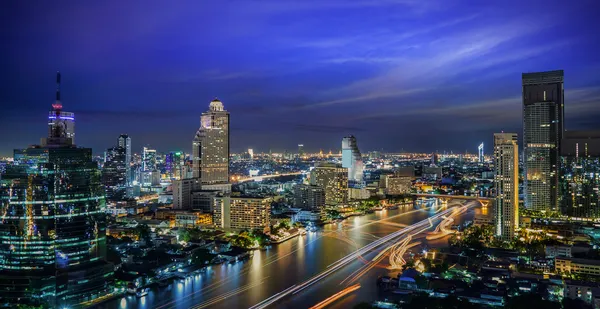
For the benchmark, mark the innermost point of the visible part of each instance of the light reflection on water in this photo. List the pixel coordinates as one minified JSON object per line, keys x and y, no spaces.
{"x":283,"y":265}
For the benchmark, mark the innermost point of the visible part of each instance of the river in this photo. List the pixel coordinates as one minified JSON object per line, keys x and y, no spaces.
{"x":268,"y":272}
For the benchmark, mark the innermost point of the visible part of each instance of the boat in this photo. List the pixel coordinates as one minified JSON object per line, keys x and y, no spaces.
{"x":142,"y":292}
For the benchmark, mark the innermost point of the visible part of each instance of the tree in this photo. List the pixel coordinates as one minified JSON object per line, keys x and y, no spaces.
{"x":143,"y":232}
{"x":184,"y":235}
{"x":284,"y":225}
{"x":529,"y":301}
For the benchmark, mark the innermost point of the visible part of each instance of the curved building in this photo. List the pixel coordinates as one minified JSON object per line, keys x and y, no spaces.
{"x":352,"y":159}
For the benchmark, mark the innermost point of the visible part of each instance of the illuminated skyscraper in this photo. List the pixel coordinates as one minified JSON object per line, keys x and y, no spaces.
{"x":543,"y":126}
{"x":300,"y":150}
{"x":334,"y":181}
{"x":580,"y":174}
{"x":211,"y":146}
{"x":61,"y":124}
{"x":148,"y":159}
{"x":506,"y":156}
{"x":352,"y":159}
{"x":53,"y":226}
{"x":480,"y":153}
{"x":124,"y":142}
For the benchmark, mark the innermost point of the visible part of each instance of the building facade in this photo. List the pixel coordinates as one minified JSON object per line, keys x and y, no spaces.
{"x":182,"y":192}
{"x":211,"y":146}
{"x":543,"y":126}
{"x":506,"y":180}
{"x":53,"y":228}
{"x":352,"y":159}
{"x":236,"y":212}
{"x":124,"y":142}
{"x":309,"y":197}
{"x":334,"y":181}
{"x":580,"y":174}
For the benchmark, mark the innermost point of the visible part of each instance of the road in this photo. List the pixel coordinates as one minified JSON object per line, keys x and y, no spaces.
{"x":289,"y":264}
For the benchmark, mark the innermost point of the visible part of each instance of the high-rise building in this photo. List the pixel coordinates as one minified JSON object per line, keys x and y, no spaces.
{"x":580,"y":174}
{"x":543,"y":126}
{"x":124,"y":142}
{"x":211,"y":146}
{"x":334,"y":181}
{"x":148,"y":159}
{"x":251,"y":153}
{"x":506,"y":156}
{"x":480,"y":153}
{"x":352,"y":159}
{"x":182,"y":192}
{"x":300,"y":150}
{"x":59,"y":120}
{"x":53,"y":226}
{"x":239,"y":213}
{"x":114,"y":171}
{"x":175,"y":165}
{"x":309,"y":197}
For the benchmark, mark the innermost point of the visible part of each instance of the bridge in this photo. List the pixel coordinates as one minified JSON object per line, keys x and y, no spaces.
{"x":484,"y":201}
{"x":261,"y":177}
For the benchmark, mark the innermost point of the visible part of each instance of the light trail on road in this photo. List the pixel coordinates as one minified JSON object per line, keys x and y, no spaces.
{"x":336,"y":296}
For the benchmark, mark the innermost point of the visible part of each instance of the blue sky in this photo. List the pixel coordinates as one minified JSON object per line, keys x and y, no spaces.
{"x":398,"y":74}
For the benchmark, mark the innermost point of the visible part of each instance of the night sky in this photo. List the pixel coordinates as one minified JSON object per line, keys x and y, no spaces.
{"x":409,"y":74}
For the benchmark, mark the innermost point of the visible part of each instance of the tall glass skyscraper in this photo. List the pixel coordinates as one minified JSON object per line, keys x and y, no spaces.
{"x":580,"y":174}
{"x":211,"y":146}
{"x":53,"y":226}
{"x":352,"y":159}
{"x":543,"y":126}
{"x":58,"y":117}
{"x":124,"y":142}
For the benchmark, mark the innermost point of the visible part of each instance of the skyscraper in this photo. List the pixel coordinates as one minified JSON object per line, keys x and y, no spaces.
{"x":114,"y":171}
{"x":506,"y":156}
{"x":211,"y":146}
{"x":480,"y":153}
{"x":53,"y":226}
{"x":352,"y":159}
{"x":148,"y":159}
{"x":124,"y":142}
{"x":543,"y":126}
{"x":334,"y":181}
{"x":580,"y":174}
{"x":300,"y":151}
{"x":59,"y":120}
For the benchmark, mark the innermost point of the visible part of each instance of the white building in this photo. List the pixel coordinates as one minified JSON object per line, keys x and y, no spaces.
{"x":352,"y":159}
{"x":506,"y":156}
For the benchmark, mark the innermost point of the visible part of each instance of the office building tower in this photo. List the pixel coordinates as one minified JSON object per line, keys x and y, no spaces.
{"x":182,"y":192}
{"x":211,"y":146}
{"x":251,"y":153}
{"x":334,"y":181}
{"x":240,"y":212}
{"x":300,"y":150}
{"x":309,"y":197}
{"x":148,"y":159}
{"x":352,"y":159}
{"x":124,"y":142}
{"x":61,"y":124}
{"x":480,"y":153}
{"x":543,"y":126}
{"x":506,"y":156}
{"x":114,"y":172}
{"x":174,"y":164}
{"x":53,"y":227}
{"x":580,"y":174}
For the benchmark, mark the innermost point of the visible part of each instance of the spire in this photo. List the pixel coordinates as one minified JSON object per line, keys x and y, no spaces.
{"x":57,"y":105}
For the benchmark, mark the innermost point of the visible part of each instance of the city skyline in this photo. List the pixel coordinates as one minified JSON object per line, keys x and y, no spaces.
{"x":298,"y":84}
